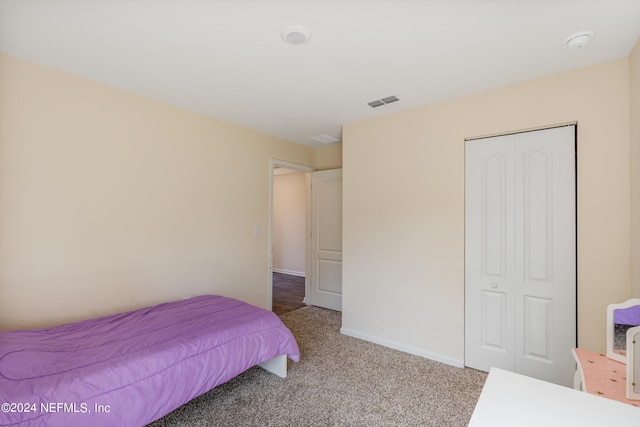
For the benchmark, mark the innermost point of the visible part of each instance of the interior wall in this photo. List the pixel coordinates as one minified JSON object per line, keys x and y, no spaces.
{"x":634,"y":83}
{"x":289,"y":217}
{"x":329,"y":157}
{"x":112,"y":201}
{"x":403,"y":241}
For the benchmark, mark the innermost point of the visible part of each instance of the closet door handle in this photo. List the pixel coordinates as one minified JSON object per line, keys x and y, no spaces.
{"x":494,"y":285}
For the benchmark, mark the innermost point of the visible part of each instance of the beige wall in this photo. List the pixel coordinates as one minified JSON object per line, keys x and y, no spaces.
{"x":112,"y":201}
{"x":289,"y":218}
{"x":329,"y":157}
{"x":634,"y":82}
{"x":403,"y":242}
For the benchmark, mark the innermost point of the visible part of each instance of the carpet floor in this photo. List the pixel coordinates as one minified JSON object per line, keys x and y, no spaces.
{"x":339,"y":381}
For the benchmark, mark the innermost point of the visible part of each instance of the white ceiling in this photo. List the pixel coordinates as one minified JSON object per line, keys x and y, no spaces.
{"x":226,"y":59}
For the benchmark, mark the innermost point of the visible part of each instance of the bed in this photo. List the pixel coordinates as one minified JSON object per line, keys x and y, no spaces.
{"x":132,"y":368}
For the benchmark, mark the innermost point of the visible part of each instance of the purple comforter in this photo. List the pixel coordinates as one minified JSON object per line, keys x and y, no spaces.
{"x":132,"y":368}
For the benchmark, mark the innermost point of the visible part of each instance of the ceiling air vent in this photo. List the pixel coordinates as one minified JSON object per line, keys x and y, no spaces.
{"x":383,"y":101}
{"x":324,"y":139}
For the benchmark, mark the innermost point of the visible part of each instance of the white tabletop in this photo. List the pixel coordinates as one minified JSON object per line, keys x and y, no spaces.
{"x":510,"y":399}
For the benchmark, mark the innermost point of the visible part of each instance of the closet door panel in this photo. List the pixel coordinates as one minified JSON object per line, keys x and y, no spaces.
{"x":545,"y":247}
{"x":489,"y":272}
{"x":520,"y":263}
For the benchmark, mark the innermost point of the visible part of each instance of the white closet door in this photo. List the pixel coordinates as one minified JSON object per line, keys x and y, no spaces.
{"x":520,"y":257}
{"x":489,"y":266}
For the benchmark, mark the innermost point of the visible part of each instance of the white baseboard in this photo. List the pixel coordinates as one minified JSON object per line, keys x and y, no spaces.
{"x":404,"y":348}
{"x":291,"y":272}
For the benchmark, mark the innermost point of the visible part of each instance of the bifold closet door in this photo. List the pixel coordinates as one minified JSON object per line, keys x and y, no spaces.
{"x":520,"y":253}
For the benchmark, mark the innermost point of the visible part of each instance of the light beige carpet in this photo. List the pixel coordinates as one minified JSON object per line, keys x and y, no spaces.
{"x":339,"y":381}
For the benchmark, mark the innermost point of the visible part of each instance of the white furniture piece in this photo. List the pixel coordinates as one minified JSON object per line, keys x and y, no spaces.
{"x":277,"y":365}
{"x":633,"y":363}
{"x":617,"y":324}
{"x":509,"y":399}
{"x":601,"y":376}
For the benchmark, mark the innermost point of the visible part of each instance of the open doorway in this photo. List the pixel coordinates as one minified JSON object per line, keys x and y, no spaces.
{"x":288,"y":242}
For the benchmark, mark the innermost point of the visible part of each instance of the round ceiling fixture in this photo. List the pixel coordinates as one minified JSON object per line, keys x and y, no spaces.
{"x":295,"y":35}
{"x":579,"y":39}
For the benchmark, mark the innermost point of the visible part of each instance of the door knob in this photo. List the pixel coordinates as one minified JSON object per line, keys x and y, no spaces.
{"x":494,"y":285}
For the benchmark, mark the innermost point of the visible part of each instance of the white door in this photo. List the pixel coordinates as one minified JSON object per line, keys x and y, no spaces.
{"x":326,"y":239}
{"x":520,"y":254}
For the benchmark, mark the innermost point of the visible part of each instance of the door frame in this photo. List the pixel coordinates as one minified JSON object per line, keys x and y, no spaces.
{"x":273,"y":164}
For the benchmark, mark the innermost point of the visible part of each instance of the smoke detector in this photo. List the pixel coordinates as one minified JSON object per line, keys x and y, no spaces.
{"x":579,"y":39}
{"x":296,"y":35}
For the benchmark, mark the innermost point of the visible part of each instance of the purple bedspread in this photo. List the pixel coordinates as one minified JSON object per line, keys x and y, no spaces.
{"x":132,"y":368}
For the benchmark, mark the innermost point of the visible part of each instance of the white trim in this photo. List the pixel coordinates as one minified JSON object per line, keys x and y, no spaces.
{"x":307,"y":240}
{"x":284,"y":164}
{"x":290,"y":272}
{"x":273,"y":163}
{"x":533,"y":129}
{"x":404,"y":348}
{"x":285,"y":171}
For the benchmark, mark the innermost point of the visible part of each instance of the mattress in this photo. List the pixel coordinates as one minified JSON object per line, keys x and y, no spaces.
{"x":132,"y":368}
